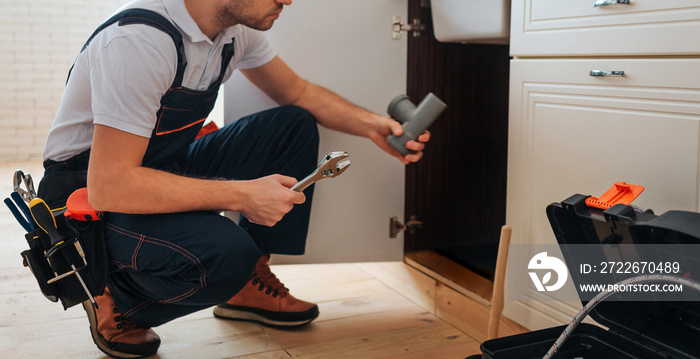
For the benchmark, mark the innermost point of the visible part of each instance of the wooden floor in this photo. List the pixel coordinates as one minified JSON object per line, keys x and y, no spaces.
{"x":361,"y":316}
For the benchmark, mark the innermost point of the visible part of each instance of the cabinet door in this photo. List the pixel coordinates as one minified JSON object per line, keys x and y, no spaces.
{"x":322,"y":42}
{"x":572,"y":133}
{"x":577,"y":27}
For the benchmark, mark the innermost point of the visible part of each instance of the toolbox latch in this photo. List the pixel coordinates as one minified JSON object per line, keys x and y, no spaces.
{"x":619,"y":193}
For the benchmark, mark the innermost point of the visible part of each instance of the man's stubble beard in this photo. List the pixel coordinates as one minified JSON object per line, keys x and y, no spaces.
{"x":242,"y":12}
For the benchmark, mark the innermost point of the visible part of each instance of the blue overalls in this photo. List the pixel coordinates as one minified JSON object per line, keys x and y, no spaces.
{"x":164,"y":266}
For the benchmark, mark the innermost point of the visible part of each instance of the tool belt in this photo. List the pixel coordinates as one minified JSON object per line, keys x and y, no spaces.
{"x":67,"y":252}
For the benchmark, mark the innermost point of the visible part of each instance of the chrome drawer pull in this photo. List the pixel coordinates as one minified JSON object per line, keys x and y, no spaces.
{"x":600,"y":73}
{"x":611,"y":2}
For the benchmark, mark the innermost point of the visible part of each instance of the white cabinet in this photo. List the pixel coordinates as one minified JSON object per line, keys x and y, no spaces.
{"x":577,"y":27}
{"x":570,"y":132}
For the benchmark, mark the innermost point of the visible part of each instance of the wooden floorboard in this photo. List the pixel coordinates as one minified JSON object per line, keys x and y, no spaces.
{"x":385,"y":344}
{"x":352,"y":327}
{"x":361,"y":316}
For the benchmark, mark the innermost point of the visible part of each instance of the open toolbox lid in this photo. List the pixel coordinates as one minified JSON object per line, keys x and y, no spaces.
{"x":671,"y":328}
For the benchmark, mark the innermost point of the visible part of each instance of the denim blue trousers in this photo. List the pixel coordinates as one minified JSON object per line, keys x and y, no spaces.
{"x":164,"y":266}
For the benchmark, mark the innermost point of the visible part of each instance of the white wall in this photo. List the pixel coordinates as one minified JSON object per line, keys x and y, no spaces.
{"x":324,"y":43}
{"x":39,"y":40}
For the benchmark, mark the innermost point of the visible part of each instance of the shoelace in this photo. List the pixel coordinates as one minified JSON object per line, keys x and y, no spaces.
{"x":122,"y":323}
{"x":265,"y":278}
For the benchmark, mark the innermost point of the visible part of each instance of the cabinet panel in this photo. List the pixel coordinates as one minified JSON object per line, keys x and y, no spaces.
{"x":571,"y":133}
{"x":576,"y":27}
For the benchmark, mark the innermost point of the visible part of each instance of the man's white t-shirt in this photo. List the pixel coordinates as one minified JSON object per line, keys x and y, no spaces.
{"x":119,"y":79}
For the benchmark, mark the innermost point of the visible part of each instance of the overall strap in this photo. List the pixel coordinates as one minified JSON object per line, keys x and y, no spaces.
{"x":226,"y":56}
{"x":153,"y":19}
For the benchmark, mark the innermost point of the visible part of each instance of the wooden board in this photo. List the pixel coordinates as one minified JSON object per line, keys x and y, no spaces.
{"x":452,"y":274}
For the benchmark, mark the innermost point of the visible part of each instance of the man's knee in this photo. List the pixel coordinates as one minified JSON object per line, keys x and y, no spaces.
{"x":231,"y":265}
{"x":303,"y":121}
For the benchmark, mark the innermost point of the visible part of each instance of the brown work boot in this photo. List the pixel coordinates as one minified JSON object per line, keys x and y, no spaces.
{"x":116,"y":336}
{"x":265,"y":300}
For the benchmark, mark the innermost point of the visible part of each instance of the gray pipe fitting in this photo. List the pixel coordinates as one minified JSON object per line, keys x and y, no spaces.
{"x":414,"y":120}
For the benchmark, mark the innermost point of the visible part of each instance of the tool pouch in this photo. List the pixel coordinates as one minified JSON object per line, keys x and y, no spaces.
{"x":36,"y":261}
{"x":87,"y":238}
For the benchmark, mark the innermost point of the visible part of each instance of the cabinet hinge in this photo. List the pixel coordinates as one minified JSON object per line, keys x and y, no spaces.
{"x":396,"y":227}
{"x":397,"y":27}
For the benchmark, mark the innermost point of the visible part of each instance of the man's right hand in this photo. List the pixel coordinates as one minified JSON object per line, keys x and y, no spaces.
{"x":268,"y":199}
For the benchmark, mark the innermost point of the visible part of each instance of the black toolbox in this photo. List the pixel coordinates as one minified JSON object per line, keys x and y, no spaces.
{"x":637,"y":329}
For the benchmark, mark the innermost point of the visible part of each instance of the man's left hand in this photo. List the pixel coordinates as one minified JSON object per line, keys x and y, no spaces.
{"x":386,"y":126}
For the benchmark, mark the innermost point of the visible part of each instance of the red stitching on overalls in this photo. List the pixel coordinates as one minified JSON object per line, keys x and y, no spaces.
{"x":120,"y":265}
{"x":137,"y":308}
{"x":136,"y":252}
{"x":166,"y":244}
{"x":177,"y":109}
{"x":180,"y":297}
{"x":160,"y":133}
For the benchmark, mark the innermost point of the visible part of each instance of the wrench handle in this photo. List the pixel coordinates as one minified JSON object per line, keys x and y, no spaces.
{"x":306,"y":182}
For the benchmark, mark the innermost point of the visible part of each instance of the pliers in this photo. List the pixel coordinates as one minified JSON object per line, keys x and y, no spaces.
{"x":20,"y":195}
{"x":27,"y":194}
{"x":25,"y":220}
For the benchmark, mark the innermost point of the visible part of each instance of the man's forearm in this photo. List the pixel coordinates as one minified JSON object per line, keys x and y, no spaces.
{"x":141,"y":190}
{"x":285,"y":87}
{"x":118,"y":183}
{"x":335,"y":112}
{"x":144,"y":190}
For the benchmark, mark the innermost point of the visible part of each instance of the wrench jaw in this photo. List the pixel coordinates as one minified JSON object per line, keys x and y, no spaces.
{"x":333,"y":164}
{"x":335,"y":170}
{"x":341,"y":167}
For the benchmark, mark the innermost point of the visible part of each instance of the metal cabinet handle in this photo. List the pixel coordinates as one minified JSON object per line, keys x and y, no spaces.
{"x":611,"y":2}
{"x":601,"y":73}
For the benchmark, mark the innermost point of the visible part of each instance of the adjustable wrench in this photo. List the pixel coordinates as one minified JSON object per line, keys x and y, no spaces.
{"x":332,"y":165}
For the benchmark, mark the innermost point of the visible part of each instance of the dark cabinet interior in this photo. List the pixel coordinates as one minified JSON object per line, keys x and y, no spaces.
{"x":458,"y":190}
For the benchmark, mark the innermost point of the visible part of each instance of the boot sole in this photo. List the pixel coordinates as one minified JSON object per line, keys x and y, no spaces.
{"x":109,"y":348}
{"x":267,"y":318}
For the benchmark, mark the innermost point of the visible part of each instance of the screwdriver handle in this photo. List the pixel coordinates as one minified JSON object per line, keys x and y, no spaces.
{"x":44,"y":219}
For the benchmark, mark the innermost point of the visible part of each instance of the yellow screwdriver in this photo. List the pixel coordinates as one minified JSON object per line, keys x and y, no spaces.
{"x":45,"y":220}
